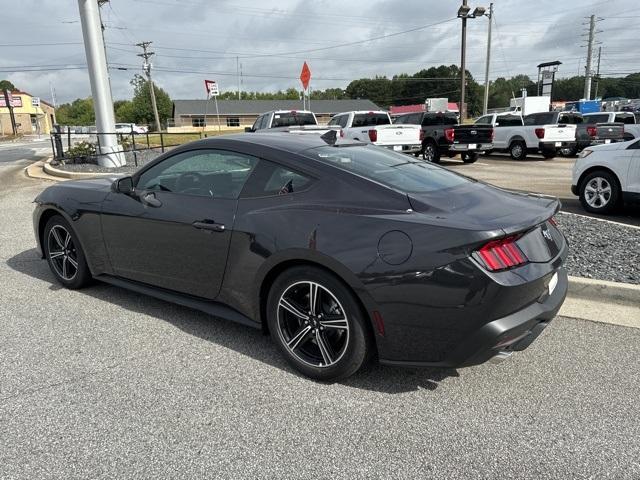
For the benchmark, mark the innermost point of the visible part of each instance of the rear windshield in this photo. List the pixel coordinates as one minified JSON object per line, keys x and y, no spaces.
{"x":370,"y":119}
{"x":603,"y":118}
{"x":289,"y":119}
{"x":394,"y":170}
{"x":439,"y":119}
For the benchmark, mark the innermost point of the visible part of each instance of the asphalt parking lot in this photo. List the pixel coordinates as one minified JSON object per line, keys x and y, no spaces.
{"x":106,"y":383}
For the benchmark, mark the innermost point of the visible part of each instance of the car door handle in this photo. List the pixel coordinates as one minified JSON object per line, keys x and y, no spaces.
{"x":209,"y":225}
{"x":151,"y":200}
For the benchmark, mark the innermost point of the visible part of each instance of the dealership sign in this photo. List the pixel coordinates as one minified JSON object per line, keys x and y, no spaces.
{"x":212,"y":88}
{"x":15,"y":101}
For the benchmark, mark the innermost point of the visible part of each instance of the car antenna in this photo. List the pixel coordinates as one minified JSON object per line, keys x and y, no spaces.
{"x":330,"y":137}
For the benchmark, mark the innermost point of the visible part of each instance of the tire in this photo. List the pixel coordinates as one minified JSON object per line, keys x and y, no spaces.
{"x":599,"y":192}
{"x":548,"y":154}
{"x":469,"y":157}
{"x":569,"y":151}
{"x":64,"y":254}
{"x":518,"y":150}
{"x":348,"y":339}
{"x":430,"y":152}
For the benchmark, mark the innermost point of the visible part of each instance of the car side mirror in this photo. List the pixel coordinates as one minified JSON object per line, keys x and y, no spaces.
{"x":124,"y":185}
{"x":248,"y":129}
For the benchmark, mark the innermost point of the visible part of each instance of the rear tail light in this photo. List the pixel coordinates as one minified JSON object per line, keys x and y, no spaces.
{"x":553,"y":222}
{"x":341,"y":133}
{"x":449,"y":134}
{"x":501,"y":254}
{"x":421,"y":135}
{"x":492,"y":135}
{"x":592,"y":131}
{"x":373,"y":135}
{"x":540,"y":133}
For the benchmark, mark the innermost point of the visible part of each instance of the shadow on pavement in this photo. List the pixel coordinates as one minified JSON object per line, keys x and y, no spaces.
{"x":244,"y":340}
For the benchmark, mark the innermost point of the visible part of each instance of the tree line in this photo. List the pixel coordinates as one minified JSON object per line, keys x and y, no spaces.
{"x":403,"y":89}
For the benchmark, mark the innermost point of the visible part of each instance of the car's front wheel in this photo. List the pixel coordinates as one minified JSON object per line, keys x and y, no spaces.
{"x":64,"y":254}
{"x":599,"y":192}
{"x":317,"y":324}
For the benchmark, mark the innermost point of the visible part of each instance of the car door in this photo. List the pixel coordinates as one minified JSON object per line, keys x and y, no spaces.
{"x":173,"y":232}
{"x":633,"y":175}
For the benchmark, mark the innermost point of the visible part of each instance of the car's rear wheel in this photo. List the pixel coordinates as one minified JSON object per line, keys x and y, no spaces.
{"x":317,"y":324}
{"x":599,"y":192}
{"x":430,"y":152}
{"x":64,"y":254}
{"x":469,"y":157}
{"x":518,"y":150}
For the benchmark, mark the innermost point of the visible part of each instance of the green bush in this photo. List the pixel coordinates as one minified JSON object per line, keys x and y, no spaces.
{"x":81,"y":150}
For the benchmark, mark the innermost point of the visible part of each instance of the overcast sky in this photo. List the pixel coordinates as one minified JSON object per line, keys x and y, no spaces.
{"x":198,"y":39}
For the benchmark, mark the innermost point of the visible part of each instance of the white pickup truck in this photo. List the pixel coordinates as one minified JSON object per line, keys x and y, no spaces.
{"x":511,"y":135}
{"x":631,"y":127}
{"x":375,"y":127}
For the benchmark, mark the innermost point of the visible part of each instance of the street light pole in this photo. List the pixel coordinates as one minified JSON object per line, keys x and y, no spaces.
{"x":110,"y":156}
{"x":463,"y":110}
{"x":485,"y":104}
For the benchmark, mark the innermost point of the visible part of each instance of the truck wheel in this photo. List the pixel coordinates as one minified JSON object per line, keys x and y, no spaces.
{"x":599,"y":192}
{"x":518,"y":150}
{"x":469,"y":157}
{"x":548,"y":154}
{"x":430,"y":152}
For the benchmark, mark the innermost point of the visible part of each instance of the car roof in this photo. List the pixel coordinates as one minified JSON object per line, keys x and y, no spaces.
{"x":285,"y":141}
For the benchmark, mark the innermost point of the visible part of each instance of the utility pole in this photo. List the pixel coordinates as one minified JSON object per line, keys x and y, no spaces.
{"x":587,"y":76}
{"x":463,"y":68}
{"x":595,"y":95}
{"x":108,"y":148}
{"x":146,"y":66}
{"x":238,"y":75}
{"x":485,"y":104}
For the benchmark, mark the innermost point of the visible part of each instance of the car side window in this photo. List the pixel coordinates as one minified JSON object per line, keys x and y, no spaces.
{"x":334,"y":121}
{"x":634,"y":146}
{"x":272,"y":179}
{"x":530,"y":120}
{"x":486,"y":120}
{"x":256,"y":124}
{"x":628,"y":119}
{"x":207,"y":173}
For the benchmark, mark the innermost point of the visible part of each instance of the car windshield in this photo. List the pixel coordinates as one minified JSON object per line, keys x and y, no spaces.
{"x":394,"y":170}
{"x":288,"y":119}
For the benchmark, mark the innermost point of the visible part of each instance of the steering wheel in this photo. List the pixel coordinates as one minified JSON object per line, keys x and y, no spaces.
{"x":192,"y":183}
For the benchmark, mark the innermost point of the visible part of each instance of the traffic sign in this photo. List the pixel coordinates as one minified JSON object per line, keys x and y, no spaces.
{"x":305,"y":75}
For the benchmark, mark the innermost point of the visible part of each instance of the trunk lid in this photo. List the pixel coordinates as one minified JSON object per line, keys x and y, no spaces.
{"x":479,"y":206}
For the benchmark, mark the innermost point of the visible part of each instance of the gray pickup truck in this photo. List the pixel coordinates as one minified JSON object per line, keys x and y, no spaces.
{"x":587,"y":132}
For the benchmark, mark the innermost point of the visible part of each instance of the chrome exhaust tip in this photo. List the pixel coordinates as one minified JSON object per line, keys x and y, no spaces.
{"x":500,"y":357}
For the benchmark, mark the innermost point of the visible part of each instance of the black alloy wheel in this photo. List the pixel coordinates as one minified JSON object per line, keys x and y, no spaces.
{"x":430,"y":152}
{"x":317,"y":324}
{"x":64,"y":254}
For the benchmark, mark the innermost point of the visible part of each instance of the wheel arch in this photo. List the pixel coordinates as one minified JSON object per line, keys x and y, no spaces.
{"x":597,"y":168}
{"x":269,"y":274}
{"x":516,"y":138}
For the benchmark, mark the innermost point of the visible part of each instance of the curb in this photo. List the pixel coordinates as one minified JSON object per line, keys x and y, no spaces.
{"x":48,"y":169}
{"x":603,"y":290}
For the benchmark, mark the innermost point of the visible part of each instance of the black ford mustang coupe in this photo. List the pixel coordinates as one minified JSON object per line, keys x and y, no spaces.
{"x":342,"y":251}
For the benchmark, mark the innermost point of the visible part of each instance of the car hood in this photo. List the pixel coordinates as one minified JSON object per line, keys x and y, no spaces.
{"x":479,"y":206}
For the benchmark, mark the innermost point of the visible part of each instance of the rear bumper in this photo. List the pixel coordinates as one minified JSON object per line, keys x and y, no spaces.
{"x":552,"y":145}
{"x":412,"y":148}
{"x":511,"y":333}
{"x":470,"y":147}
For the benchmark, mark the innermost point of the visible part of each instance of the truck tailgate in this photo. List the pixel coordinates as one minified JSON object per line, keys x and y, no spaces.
{"x":609,"y":131}
{"x":397,"y":134}
{"x":465,"y":134}
{"x":559,"y":133}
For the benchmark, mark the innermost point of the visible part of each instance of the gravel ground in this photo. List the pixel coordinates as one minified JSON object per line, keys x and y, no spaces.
{"x":144,"y":157}
{"x":600,"y":249}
